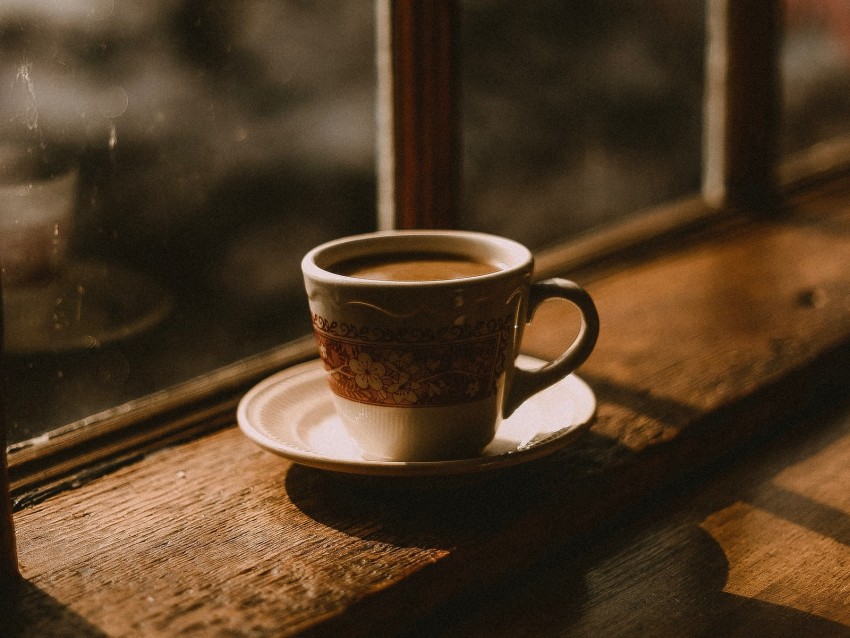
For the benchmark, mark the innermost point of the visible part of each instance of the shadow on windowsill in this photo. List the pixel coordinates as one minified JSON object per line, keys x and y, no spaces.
{"x":29,"y":611}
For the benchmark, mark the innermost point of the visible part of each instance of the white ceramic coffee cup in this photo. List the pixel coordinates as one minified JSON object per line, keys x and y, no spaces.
{"x":424,"y":370}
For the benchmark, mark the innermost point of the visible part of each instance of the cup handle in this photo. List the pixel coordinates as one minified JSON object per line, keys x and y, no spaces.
{"x":525,"y":383}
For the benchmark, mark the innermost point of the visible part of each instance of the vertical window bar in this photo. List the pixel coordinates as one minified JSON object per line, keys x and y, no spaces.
{"x":742,"y":103}
{"x":418,"y":133}
{"x":8,"y":555}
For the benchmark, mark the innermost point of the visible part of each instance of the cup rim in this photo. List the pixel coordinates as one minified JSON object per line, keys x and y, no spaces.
{"x":514,"y":256}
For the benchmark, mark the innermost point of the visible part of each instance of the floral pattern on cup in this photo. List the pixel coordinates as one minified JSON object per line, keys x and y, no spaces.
{"x":413,"y":368}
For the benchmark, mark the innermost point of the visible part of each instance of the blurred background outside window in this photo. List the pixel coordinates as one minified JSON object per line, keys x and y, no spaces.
{"x":815,"y":73}
{"x":165,"y":164}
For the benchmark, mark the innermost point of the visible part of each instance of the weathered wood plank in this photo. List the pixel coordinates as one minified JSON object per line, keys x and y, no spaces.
{"x":699,"y":349}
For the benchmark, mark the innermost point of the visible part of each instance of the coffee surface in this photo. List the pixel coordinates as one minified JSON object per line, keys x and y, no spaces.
{"x":413,"y":267}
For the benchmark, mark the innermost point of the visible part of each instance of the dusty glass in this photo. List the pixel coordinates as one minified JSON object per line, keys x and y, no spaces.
{"x":578,"y":114}
{"x":211,"y":144}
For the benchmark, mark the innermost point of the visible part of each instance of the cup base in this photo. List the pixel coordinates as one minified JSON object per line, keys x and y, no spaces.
{"x":420,"y":433}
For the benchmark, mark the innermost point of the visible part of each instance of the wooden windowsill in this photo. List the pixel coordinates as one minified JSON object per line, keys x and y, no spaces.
{"x":701,"y":348}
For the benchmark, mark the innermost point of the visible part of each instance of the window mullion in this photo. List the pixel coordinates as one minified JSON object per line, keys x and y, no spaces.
{"x":418,"y":134}
{"x":742,"y":103}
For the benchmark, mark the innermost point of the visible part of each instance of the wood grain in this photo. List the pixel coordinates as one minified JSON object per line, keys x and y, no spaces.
{"x":700,"y":349}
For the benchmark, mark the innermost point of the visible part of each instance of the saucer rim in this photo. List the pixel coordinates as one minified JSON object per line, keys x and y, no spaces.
{"x":480,"y":463}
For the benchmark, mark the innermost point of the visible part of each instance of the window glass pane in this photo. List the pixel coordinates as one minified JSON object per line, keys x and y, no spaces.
{"x":192,"y":150}
{"x":815,"y":72}
{"x":163,"y":167}
{"x":576,"y":114}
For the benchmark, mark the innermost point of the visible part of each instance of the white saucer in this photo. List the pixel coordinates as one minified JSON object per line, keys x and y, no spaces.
{"x":291,"y":414}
